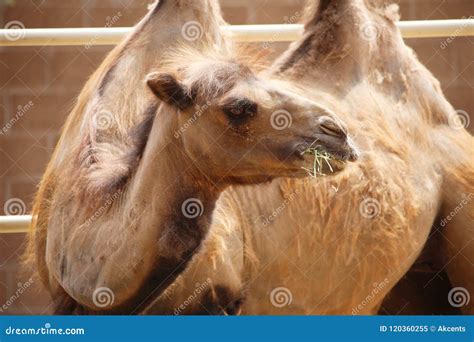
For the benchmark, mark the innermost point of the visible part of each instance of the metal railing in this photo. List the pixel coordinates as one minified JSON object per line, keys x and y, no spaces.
{"x":14,"y":224}
{"x":241,"y":33}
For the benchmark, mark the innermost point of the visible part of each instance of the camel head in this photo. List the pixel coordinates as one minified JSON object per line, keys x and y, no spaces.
{"x":241,"y":127}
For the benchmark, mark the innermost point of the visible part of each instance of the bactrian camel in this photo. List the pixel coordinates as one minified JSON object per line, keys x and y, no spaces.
{"x":290,"y":246}
{"x":159,"y":131}
{"x":338,"y":245}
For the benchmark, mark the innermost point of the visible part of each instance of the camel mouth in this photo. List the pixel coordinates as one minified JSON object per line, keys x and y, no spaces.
{"x":321,"y":160}
{"x":327,"y":147}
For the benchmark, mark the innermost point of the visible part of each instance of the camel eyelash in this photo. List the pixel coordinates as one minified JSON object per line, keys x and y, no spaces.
{"x":240,"y":109}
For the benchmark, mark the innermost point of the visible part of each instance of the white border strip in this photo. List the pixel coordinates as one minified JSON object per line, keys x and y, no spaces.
{"x":241,"y":33}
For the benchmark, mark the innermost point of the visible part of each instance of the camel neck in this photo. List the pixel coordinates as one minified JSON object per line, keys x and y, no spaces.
{"x":170,"y":186}
{"x":168,"y":209}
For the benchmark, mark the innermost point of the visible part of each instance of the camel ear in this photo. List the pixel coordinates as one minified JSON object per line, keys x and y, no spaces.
{"x":168,"y":89}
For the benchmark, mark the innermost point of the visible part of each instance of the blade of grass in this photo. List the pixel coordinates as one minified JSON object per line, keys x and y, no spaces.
{"x":320,"y":156}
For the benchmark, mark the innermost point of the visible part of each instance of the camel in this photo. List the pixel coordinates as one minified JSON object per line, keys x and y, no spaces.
{"x":160,"y":130}
{"x":339,"y":245}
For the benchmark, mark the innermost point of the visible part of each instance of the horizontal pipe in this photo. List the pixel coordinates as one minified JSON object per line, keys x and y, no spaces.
{"x":241,"y":33}
{"x":437,"y":28}
{"x":14,"y":224}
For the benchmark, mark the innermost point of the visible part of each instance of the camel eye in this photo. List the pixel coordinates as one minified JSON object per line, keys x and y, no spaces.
{"x":239,"y":110}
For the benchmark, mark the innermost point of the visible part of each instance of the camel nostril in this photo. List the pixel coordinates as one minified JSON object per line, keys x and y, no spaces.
{"x":330,"y":127}
{"x":353,"y":155}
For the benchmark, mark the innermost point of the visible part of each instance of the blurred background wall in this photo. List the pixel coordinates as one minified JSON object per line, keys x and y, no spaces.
{"x":43,"y":82}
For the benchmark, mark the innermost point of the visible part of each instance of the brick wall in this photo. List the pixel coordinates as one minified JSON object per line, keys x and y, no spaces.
{"x":44,"y":81}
